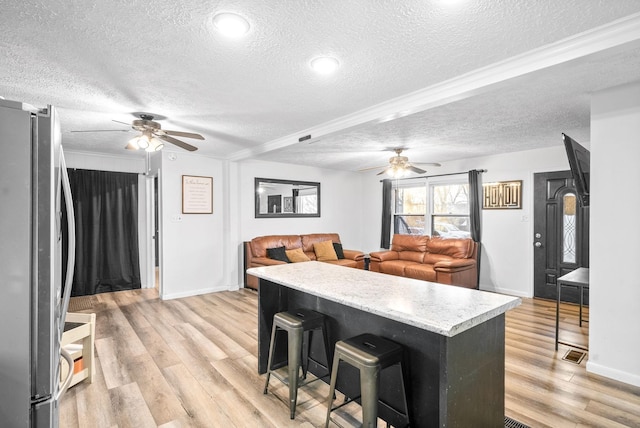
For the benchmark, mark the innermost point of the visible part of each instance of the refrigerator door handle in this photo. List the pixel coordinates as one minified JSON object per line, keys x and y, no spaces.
{"x":67,"y":356}
{"x":71,"y":235}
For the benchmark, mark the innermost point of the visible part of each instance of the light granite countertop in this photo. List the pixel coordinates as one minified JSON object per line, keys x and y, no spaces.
{"x":442,"y":309}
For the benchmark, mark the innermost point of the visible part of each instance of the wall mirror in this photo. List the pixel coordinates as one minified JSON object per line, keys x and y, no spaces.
{"x":286,"y":198}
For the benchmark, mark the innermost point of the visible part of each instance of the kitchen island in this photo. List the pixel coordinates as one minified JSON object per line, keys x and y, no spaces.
{"x":453,"y":336}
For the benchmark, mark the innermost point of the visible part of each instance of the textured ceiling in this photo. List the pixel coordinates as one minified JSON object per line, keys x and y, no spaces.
{"x":97,"y":61}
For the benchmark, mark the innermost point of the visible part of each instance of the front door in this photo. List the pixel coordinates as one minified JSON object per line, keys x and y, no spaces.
{"x":561,"y":233}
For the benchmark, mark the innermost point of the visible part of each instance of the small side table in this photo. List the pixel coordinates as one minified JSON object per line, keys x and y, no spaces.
{"x":578,"y":278}
{"x":79,"y":338}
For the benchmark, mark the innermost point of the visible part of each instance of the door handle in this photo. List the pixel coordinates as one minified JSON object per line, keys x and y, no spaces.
{"x":538,"y":244}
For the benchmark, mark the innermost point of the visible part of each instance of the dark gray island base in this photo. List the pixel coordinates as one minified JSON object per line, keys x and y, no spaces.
{"x":453,"y":381}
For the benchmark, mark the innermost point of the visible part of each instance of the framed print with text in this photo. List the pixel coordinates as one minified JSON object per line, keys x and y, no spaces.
{"x":197,"y":194}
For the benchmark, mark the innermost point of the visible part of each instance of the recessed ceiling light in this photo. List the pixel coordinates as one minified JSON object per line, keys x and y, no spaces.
{"x":230,"y":24}
{"x":325,"y":64}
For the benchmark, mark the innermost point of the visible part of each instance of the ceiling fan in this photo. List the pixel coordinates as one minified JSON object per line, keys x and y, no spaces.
{"x":152,"y":137}
{"x":399,"y":166}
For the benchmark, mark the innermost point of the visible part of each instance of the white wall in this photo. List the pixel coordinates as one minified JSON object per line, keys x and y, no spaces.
{"x":507,"y":244}
{"x":614,"y":328}
{"x":340,"y":193}
{"x":192,"y":245}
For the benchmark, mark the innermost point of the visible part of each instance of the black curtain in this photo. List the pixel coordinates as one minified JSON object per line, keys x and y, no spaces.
{"x":386,"y":214}
{"x":294,"y":204}
{"x":475,"y":195}
{"x":106,"y":210}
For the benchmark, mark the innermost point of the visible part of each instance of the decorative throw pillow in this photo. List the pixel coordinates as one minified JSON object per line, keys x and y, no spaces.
{"x":278,"y":254}
{"x":338,"y":249}
{"x":297,"y":255}
{"x":324,"y":251}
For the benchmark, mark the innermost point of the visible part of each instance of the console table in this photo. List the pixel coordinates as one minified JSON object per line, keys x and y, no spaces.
{"x":454,"y":337}
{"x":578,"y":278}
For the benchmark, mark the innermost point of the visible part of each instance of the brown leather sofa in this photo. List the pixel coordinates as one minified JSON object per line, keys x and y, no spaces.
{"x":256,"y":251}
{"x":447,"y":261}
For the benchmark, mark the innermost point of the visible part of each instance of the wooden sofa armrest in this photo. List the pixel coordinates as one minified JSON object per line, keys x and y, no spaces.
{"x":454,"y":265}
{"x":382,"y":256}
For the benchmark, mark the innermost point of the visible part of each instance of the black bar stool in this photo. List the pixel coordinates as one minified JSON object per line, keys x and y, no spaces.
{"x":369,"y":354}
{"x":298,"y":324}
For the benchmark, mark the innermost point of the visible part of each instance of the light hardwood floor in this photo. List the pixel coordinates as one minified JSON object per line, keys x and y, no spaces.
{"x":192,"y":362}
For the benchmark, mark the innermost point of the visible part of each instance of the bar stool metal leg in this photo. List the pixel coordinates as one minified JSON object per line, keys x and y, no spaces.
{"x":332,"y":389}
{"x":295,"y":345}
{"x":270,"y":360}
{"x":369,"y":387}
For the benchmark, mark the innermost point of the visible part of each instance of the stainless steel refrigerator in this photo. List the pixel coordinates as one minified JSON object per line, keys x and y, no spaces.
{"x":34,"y":295}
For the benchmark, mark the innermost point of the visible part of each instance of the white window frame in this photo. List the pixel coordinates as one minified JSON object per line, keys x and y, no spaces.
{"x":442,"y":181}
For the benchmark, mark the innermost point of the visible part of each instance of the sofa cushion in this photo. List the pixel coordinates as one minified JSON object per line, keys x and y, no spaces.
{"x":413,"y":256}
{"x":416,"y":243}
{"x":260,"y":244}
{"x":456,"y":248}
{"x":324,"y":251}
{"x":395,"y":267}
{"x":277,"y":253}
{"x":423,"y":272}
{"x":309,"y":240}
{"x":432,"y":259}
{"x":297,"y":255}
{"x":339,"y":251}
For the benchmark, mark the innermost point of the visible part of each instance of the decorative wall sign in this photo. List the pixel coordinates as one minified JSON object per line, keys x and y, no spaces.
{"x":502,"y":195}
{"x":197,"y":194}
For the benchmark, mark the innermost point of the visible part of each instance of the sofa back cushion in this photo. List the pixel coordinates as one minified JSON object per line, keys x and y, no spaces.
{"x":413,"y":256}
{"x":309,"y":240}
{"x":456,"y":248}
{"x":416,"y":243}
{"x":260,"y":244}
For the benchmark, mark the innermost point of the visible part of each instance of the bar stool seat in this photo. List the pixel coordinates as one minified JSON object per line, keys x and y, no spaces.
{"x":369,"y":354}
{"x":299,"y":324}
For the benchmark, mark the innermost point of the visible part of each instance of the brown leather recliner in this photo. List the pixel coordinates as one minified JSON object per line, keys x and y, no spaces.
{"x":256,"y":251}
{"x":447,"y":261}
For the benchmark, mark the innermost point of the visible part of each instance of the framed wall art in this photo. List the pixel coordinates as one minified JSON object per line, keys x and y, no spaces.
{"x":502,"y":195}
{"x":197,"y":194}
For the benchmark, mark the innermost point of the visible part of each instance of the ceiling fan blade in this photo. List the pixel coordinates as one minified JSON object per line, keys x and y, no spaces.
{"x":124,"y":123}
{"x":383,"y":171}
{"x":184,"y":134}
{"x":104,"y":130}
{"x":178,"y":143}
{"x":427,"y":163}
{"x":416,"y":170}
{"x":371,"y":168}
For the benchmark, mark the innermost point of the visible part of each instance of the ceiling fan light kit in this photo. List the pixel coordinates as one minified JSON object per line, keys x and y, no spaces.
{"x":152,"y":137}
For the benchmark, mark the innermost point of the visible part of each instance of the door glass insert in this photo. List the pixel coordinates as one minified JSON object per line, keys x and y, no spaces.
{"x":569,"y":228}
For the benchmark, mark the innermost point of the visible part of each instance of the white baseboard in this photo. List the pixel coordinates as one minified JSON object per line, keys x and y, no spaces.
{"x":631,"y":379}
{"x":193,"y":292}
{"x":508,"y":291}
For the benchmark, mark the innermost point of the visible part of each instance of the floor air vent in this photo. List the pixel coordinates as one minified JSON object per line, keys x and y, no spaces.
{"x":574,"y":356}
{"x":82,"y":303}
{"x":512,"y":423}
